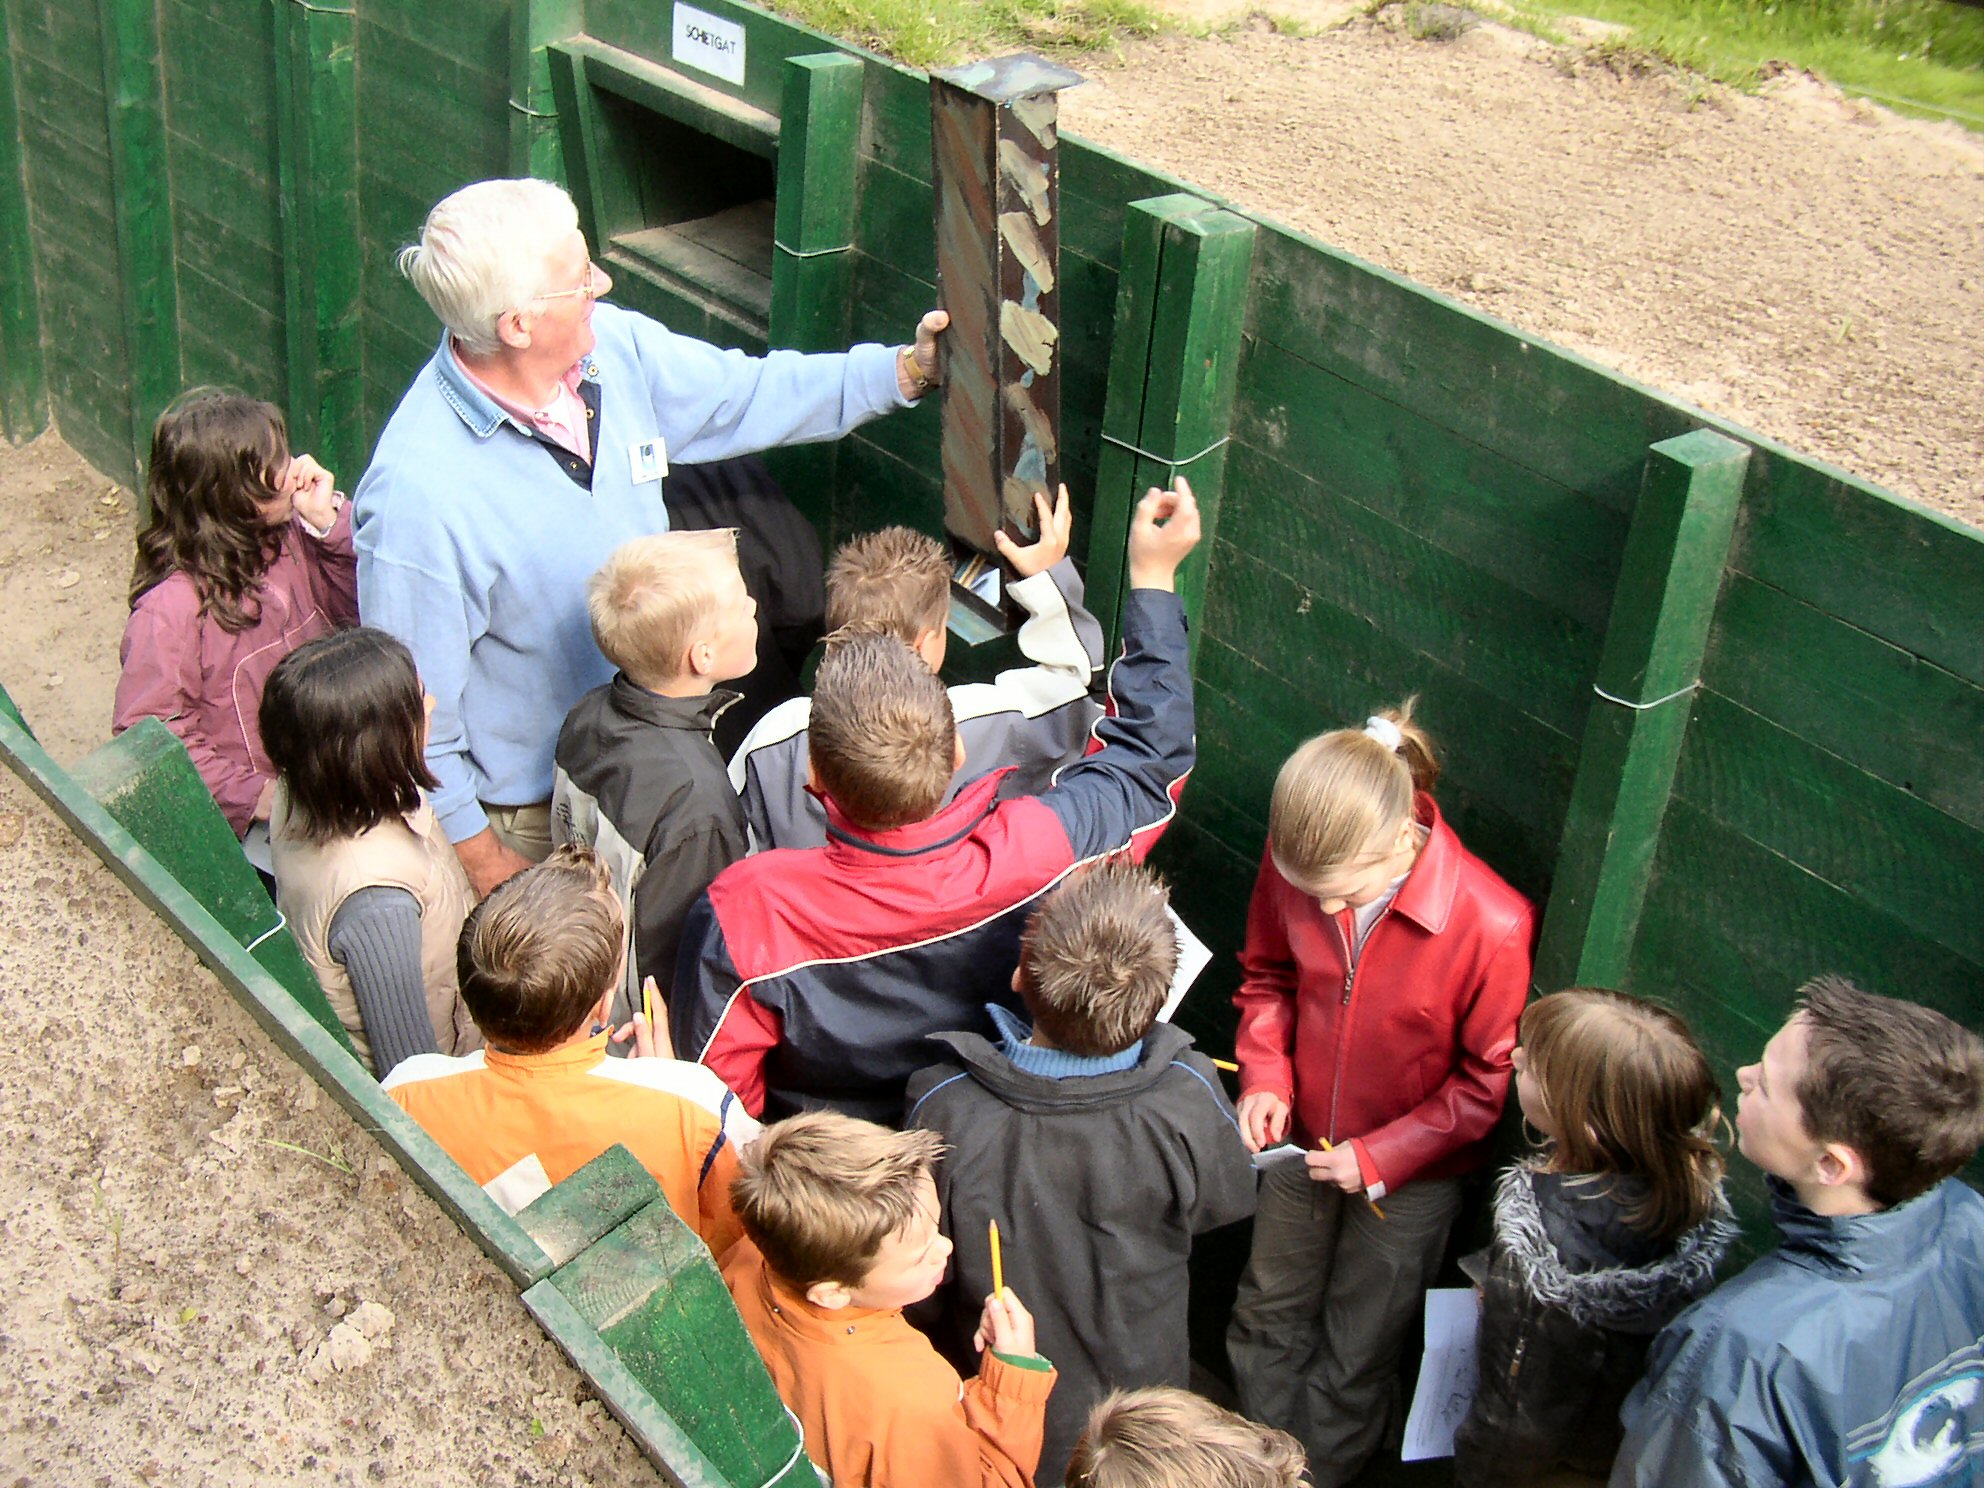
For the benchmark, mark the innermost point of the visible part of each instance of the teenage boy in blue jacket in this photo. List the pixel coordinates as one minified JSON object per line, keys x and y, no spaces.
{"x":1854,"y":1352}
{"x":813,"y":977}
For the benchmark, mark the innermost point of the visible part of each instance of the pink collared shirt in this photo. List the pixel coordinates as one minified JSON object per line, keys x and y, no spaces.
{"x":563,"y":421}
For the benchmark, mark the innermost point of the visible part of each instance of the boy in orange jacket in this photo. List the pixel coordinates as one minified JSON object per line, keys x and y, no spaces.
{"x":840,"y":1217}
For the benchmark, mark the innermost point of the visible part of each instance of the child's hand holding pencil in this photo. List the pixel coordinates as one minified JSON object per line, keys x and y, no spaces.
{"x":1005,"y":1327}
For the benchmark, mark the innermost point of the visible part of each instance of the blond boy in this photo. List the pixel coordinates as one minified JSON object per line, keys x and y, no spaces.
{"x":638,"y":778}
{"x":842,"y":1233}
{"x":1168,"y":1438}
{"x":1030,"y":720}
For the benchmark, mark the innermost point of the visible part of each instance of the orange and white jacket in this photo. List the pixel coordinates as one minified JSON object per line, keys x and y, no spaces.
{"x":518,"y":1123}
{"x":879,"y":1406}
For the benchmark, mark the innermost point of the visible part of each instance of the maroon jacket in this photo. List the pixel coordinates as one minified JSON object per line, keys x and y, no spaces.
{"x":205,"y":683}
{"x":1406,"y":1054}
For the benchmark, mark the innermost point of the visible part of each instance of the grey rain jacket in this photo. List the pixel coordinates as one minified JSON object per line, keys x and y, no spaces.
{"x":1851,"y":1354}
{"x":1098,"y":1183}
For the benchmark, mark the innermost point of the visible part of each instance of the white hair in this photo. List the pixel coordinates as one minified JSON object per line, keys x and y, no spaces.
{"x":482,"y":252}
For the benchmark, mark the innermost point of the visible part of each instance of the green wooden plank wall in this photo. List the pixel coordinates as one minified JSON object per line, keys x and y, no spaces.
{"x":219,"y":59}
{"x":434,"y":113}
{"x":58,"y":52}
{"x":1419,"y":499}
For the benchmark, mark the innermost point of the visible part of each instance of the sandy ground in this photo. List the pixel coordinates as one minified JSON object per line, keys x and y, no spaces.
{"x":182,"y":1247}
{"x":169,"y":1269}
{"x":1808,"y":266}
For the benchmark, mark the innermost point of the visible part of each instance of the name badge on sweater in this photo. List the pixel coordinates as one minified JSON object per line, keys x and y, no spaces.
{"x":648,"y":459}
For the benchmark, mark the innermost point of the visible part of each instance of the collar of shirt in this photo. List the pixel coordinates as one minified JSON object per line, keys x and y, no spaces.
{"x":562,"y":421}
{"x":1054,"y":1064}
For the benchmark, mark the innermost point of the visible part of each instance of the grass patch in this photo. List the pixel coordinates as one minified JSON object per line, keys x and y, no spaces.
{"x":1925,"y":56}
{"x":942,"y":33}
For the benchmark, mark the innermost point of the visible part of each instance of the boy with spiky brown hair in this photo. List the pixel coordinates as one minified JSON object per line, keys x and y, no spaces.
{"x":1853,"y":1352}
{"x":841,"y":1221}
{"x":1030,"y":720}
{"x":1097,"y":1138}
{"x":813,"y":977}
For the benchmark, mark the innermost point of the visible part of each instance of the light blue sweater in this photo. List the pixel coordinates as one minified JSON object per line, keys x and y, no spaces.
{"x":474,"y":544}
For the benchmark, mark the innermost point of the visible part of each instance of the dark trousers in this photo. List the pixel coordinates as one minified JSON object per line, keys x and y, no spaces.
{"x":1324,"y":1305}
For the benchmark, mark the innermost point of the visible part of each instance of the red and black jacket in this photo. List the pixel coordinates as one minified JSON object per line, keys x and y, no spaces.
{"x":812,"y":977}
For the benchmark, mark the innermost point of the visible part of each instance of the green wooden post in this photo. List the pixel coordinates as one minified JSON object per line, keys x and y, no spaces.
{"x":1181,"y":302}
{"x":813,"y":239}
{"x":134,"y":105}
{"x":535,"y":149}
{"x":1662,"y":609}
{"x":23,"y":379}
{"x":589,"y":175}
{"x":317,"y":175}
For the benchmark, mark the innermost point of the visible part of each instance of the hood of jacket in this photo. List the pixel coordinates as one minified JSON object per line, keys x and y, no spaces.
{"x":1574,"y":1261}
{"x":1029,"y":1092}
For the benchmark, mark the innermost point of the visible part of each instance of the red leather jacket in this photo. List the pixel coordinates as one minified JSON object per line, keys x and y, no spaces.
{"x":1406,"y":1052}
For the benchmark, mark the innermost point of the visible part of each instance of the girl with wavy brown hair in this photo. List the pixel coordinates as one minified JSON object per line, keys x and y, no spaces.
{"x":247,"y":556}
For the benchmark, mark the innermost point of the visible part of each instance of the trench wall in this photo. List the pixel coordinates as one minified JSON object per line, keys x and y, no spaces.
{"x":1409,"y":497}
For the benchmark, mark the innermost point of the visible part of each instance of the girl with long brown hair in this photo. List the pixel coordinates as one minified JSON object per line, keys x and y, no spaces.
{"x":247,"y":556}
{"x":1600,"y":1240}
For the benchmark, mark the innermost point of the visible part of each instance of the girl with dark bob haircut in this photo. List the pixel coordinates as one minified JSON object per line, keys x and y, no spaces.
{"x":369,"y":882}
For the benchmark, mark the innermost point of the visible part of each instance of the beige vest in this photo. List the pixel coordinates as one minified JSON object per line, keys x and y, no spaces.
{"x":314,"y":878}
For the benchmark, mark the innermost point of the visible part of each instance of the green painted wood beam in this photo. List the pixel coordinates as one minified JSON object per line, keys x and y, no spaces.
{"x":295,"y":1032}
{"x":1181,"y":302}
{"x":652,"y":1294}
{"x":134,"y":108}
{"x":813,"y":231}
{"x":316,"y":79}
{"x":145,"y":779}
{"x":535,"y":146}
{"x":819,"y":168}
{"x":1669,"y":585}
{"x":23,"y":376}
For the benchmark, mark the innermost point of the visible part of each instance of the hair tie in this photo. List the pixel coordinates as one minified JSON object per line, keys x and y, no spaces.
{"x":1385,"y":732}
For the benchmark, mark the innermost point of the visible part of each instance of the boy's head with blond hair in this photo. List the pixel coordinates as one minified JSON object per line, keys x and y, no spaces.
{"x":671,"y":611}
{"x":895,"y":581}
{"x":881,"y":739}
{"x":1168,"y":1438}
{"x":540,"y":956}
{"x":1098,"y":958}
{"x":844,"y":1211}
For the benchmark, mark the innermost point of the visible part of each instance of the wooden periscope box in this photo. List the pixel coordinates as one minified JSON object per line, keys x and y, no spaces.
{"x":1715,"y":703}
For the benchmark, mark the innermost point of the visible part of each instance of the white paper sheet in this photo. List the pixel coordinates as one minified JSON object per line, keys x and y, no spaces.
{"x":1448,"y":1375}
{"x":1267,"y":1157}
{"x":1193,"y":957}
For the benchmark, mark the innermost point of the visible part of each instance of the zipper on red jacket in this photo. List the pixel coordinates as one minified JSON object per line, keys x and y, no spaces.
{"x":1351,"y":960}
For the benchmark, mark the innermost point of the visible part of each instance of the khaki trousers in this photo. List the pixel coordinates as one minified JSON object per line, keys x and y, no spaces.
{"x":524,"y":830}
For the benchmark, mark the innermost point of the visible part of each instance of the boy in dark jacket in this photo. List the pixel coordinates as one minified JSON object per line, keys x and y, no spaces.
{"x":1097,"y":1139}
{"x":637,"y":776}
{"x":1853,"y":1352}
{"x":812,"y":977}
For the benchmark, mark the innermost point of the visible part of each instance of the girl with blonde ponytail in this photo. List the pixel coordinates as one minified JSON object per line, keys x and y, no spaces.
{"x":1384,"y":970}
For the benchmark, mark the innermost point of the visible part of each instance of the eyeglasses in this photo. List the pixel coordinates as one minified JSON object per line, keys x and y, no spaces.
{"x":595,"y":283}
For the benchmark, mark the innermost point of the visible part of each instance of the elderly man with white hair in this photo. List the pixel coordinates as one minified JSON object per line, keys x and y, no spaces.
{"x":533,"y":443}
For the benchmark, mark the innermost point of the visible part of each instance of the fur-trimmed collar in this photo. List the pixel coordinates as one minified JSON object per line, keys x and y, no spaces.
{"x":1626,"y":1298}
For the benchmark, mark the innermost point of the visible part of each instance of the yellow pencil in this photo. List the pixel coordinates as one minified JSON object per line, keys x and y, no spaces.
{"x":1226,"y":1064}
{"x":1328,"y":1146}
{"x":647,"y":1001}
{"x":998,"y":1270}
